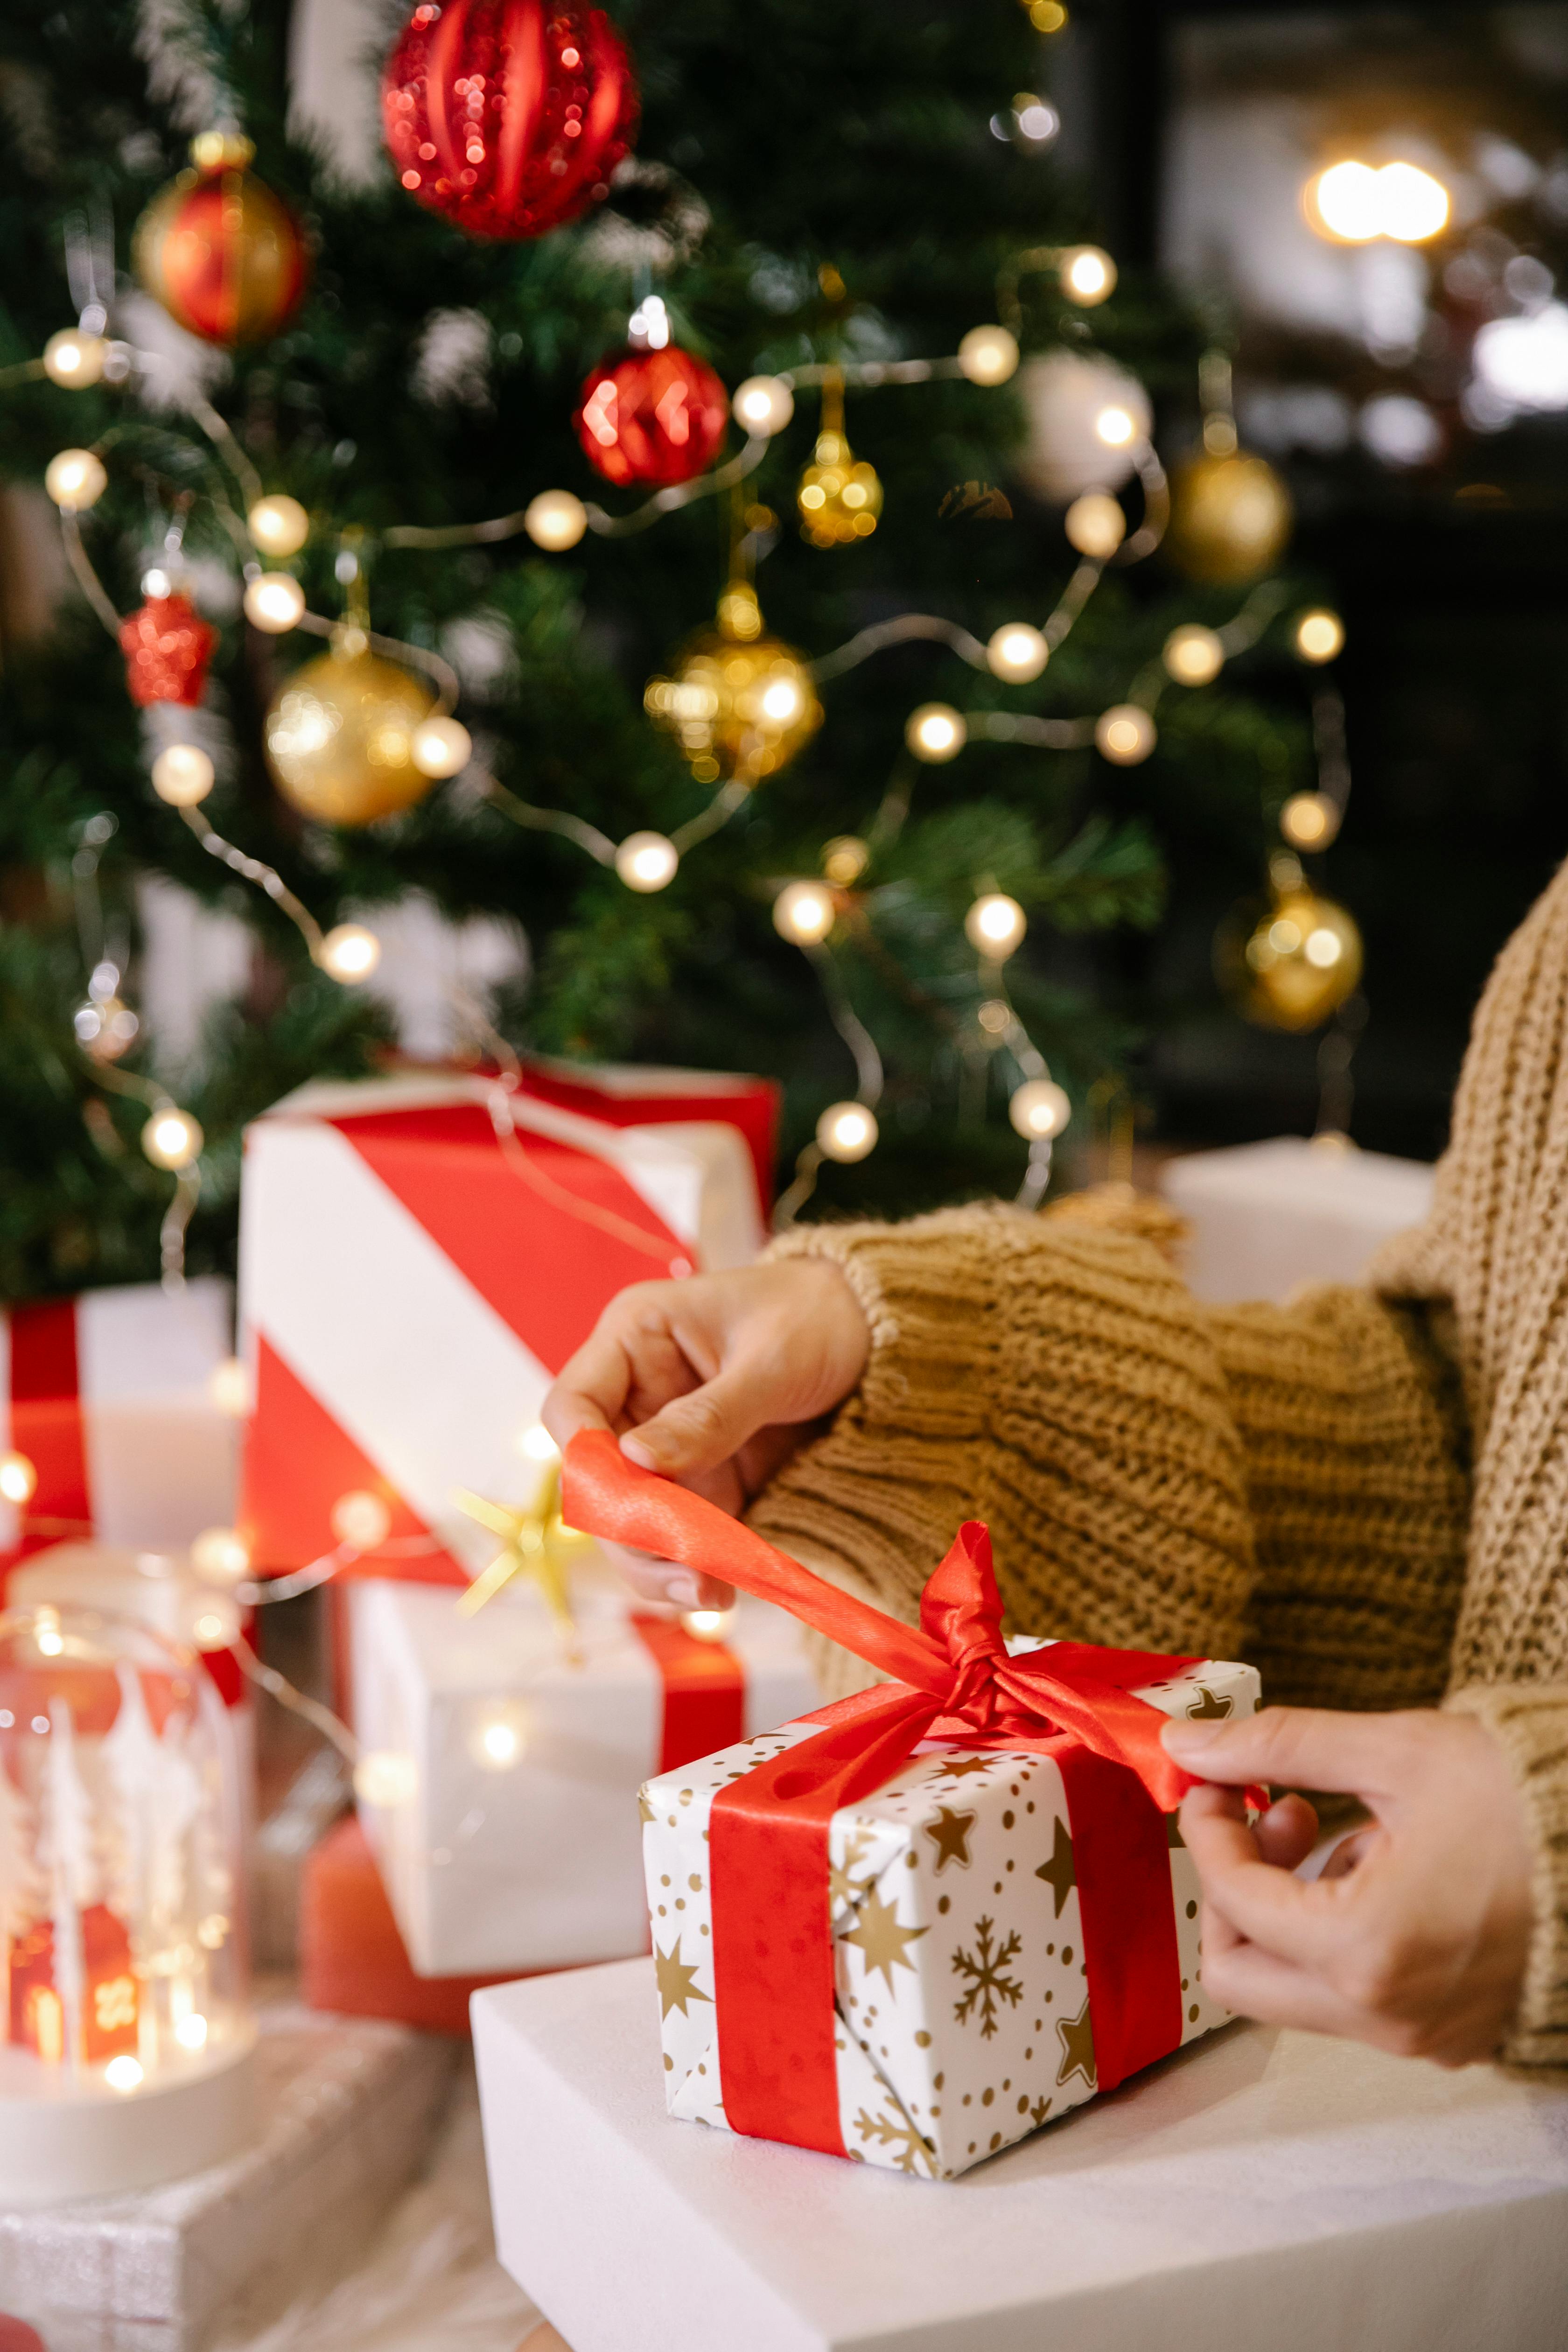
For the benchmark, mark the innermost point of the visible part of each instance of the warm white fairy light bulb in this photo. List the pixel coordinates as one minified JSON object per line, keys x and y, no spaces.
{"x":994,"y":926}
{"x":123,"y":2073}
{"x":646,"y":861}
{"x":1087,"y":275}
{"x":988,"y":356}
{"x":190,"y":2032}
{"x":74,"y":358}
{"x":1194,"y":654}
{"x":274,"y":603}
{"x":764,"y":404}
{"x":1318,"y":635}
{"x":75,"y":479}
{"x":220,"y":1556}
{"x":707,"y":1625}
{"x":1018,"y":652}
{"x":440,"y":746}
{"x":804,"y":913}
{"x":183,"y":775}
{"x":384,"y":1778}
{"x":1039,"y":1109}
{"x":1353,"y":203}
{"x":536,"y":1444}
{"x":936,"y":732}
{"x":171,"y":1139}
{"x":846,"y":1131}
{"x":349,"y":953}
{"x":555,"y":520}
{"x":278,"y":525}
{"x":360,"y":1519}
{"x":844,"y":858}
{"x":1095,"y":525}
{"x":228,"y":1389}
{"x":1309,"y":820}
{"x":1124,"y":734}
{"x":1116,"y":426}
{"x":18,"y":1479}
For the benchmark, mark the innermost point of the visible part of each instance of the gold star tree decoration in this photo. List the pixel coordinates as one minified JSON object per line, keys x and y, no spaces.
{"x":536,"y":1542}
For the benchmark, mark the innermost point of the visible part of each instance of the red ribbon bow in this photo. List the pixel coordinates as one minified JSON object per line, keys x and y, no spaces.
{"x":772,"y":1949}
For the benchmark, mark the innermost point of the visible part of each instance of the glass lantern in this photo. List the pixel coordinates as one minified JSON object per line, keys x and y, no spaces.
{"x":126,"y":2037}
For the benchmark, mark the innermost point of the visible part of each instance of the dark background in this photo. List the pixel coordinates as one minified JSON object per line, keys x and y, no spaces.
{"x":1452,"y":578}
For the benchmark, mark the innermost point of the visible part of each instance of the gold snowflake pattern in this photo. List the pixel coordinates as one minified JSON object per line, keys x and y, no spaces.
{"x":987,"y":1982}
{"x":841,"y":1886}
{"x":895,"y":2131}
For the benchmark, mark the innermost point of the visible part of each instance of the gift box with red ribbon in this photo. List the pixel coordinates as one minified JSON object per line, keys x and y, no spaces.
{"x":912,"y":1926}
{"x":114,"y":1398}
{"x":420,"y":1255}
{"x":504,"y":1753}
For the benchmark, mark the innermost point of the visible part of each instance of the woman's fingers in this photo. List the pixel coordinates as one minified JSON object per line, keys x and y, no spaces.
{"x":1267,"y":1904}
{"x":667,"y":1581}
{"x":1302,"y":1747}
{"x":1286,"y":1833}
{"x":707,"y":1426}
{"x":1242,"y":1976}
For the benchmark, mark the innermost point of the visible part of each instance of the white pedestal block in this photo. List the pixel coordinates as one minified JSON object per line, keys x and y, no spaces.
{"x":1260,"y":2190}
{"x":1265,"y":1217}
{"x":346,"y":2112}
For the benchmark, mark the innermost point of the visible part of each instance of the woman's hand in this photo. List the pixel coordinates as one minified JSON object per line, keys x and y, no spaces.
{"x":1415,"y":1937}
{"x":714,"y":1382}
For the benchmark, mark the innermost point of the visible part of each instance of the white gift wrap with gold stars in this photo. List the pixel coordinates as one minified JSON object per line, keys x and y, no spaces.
{"x":963,"y":2009}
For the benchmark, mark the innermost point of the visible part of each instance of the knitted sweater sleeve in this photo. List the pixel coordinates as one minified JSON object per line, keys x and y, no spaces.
{"x":1282,"y":1484}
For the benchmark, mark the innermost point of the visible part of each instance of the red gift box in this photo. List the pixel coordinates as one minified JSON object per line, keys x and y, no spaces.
{"x":419,"y":1256}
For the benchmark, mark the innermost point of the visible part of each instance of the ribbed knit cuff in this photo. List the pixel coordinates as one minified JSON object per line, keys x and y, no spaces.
{"x":882,"y":1493}
{"x":1529,"y":1723}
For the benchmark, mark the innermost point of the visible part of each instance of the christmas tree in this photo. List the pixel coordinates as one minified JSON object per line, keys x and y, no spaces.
{"x":813,"y":196}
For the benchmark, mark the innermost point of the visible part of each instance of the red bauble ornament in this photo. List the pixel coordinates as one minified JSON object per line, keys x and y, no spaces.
{"x":507,"y":116}
{"x":223,"y":255}
{"x":652,"y":417}
{"x":167,"y":646}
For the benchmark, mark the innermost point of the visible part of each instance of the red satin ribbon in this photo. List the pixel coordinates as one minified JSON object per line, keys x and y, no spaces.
{"x":773,"y":1951}
{"x":704,"y":1692}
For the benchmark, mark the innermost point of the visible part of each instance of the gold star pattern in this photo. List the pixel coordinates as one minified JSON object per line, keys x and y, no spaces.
{"x":644,"y":1810}
{"x":965,"y":1765}
{"x":949,"y":1835}
{"x":842,"y":1889}
{"x":1061,"y":1874}
{"x":1173,"y":1837}
{"x":677,"y":1982}
{"x":535,"y":1542}
{"x":1210,"y":1708}
{"x":882,"y":1937}
{"x":1076,"y":2036}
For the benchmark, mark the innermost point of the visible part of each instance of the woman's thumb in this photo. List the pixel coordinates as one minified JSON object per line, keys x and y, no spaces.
{"x":697,"y":1432}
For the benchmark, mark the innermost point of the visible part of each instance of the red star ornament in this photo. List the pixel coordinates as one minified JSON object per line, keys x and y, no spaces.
{"x":167,"y":647}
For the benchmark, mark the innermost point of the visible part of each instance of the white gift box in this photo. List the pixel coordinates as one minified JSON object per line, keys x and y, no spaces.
{"x":346,"y":2109}
{"x":1263,"y":2188}
{"x":511,"y":1841}
{"x":113,"y":1398}
{"x":409,"y":1285}
{"x":963,"y":2014}
{"x":1267,"y":1217}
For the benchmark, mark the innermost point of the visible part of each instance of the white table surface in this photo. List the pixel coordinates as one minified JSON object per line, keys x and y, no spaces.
{"x":1262,"y":2189}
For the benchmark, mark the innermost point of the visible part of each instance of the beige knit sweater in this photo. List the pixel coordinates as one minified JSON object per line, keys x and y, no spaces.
{"x":1366,"y":1491}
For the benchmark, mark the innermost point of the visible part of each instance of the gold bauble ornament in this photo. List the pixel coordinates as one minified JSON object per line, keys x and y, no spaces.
{"x":1230,"y":517}
{"x":340,"y":736}
{"x":840,"y":495}
{"x":1294,"y":965}
{"x":739,"y":702}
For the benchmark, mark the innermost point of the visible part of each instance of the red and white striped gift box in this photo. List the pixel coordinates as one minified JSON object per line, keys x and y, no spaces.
{"x":112,"y":1398}
{"x":410,"y":1283}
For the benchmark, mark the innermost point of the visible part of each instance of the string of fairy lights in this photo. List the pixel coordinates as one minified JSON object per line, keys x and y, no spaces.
{"x":739,"y":702}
